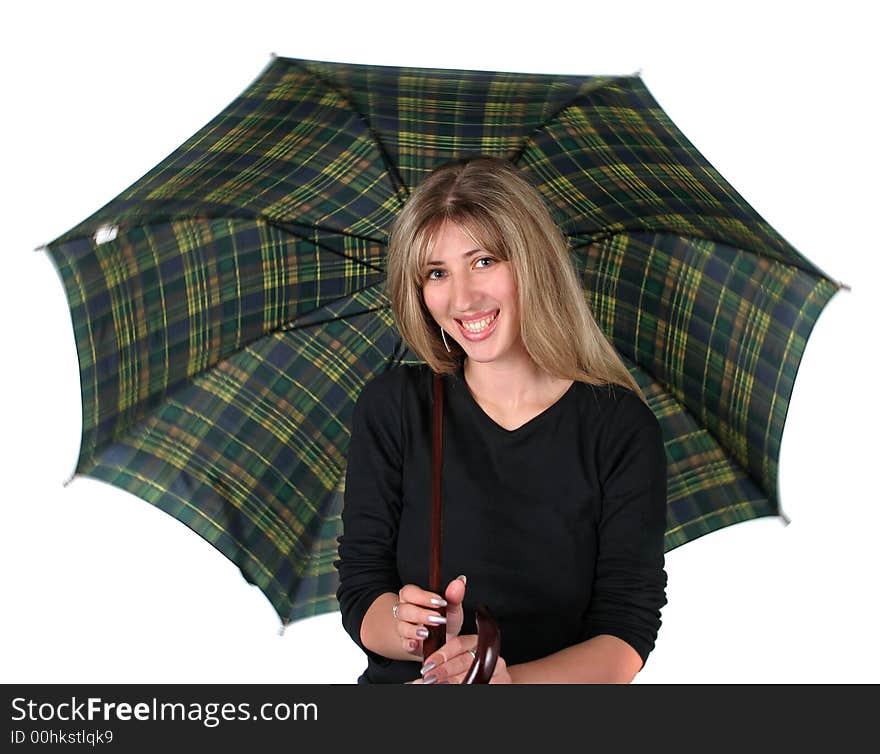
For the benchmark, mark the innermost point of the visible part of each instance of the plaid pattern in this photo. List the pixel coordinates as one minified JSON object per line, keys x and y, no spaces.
{"x":225,"y":333}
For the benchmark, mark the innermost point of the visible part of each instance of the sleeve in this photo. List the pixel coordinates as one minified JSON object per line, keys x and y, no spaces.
{"x":371,"y":506}
{"x":630,"y":581}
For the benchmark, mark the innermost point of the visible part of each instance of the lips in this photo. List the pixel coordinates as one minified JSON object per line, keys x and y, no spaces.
{"x":483,"y":334}
{"x":490,"y":313}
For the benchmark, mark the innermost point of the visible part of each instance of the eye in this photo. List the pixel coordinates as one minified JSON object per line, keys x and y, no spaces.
{"x":481,"y":259}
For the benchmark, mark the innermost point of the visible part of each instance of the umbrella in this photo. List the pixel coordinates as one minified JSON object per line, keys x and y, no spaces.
{"x":228,"y":307}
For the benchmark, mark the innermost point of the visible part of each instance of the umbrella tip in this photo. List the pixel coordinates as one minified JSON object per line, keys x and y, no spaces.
{"x":785,"y":519}
{"x":44,"y":247}
{"x":68,"y":480}
{"x":285,"y":622}
{"x":843,"y":285}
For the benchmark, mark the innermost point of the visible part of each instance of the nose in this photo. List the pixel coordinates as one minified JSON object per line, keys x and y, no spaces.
{"x":465,"y":293}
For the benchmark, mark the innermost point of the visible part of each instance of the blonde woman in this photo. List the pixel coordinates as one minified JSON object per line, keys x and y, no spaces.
{"x":554,"y":469}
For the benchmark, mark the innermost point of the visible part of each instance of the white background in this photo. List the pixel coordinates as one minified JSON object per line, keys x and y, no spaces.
{"x":98,"y":586}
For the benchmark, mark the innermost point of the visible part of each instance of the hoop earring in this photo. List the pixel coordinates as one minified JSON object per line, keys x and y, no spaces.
{"x":443,"y":335}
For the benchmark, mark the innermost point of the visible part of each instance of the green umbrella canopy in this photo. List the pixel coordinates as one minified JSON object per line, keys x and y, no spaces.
{"x":228,"y":306}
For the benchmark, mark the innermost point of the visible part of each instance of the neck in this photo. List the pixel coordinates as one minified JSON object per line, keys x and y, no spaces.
{"x":507,"y":385}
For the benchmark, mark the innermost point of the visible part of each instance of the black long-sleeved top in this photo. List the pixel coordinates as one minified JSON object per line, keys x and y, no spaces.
{"x":558,"y":524}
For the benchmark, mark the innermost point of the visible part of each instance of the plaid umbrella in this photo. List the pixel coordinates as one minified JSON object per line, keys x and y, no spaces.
{"x":228,"y":306}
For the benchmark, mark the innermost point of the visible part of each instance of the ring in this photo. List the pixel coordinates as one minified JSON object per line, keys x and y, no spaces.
{"x":394,"y":610}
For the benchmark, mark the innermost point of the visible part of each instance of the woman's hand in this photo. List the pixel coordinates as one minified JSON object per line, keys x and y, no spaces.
{"x":416,"y":607}
{"x":451,"y":662}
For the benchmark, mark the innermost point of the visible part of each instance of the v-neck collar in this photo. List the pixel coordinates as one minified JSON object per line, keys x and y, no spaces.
{"x":487,"y":420}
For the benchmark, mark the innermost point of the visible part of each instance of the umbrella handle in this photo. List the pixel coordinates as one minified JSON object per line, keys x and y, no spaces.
{"x":488,"y":635}
{"x":488,"y":648}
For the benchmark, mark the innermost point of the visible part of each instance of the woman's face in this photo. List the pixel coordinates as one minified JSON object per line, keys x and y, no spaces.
{"x":472,"y":288}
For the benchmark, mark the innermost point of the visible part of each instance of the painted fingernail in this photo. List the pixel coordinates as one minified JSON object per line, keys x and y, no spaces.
{"x":436,"y":619}
{"x":440,"y":603}
{"x":429,"y":667}
{"x":462,"y":578}
{"x":430,"y":679}
{"x":423,"y":632}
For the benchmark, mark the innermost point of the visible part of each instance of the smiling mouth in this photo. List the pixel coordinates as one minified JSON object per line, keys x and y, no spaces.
{"x":475,"y":328}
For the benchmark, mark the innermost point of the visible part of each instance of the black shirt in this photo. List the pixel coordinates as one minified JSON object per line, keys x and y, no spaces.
{"x":558,"y":524}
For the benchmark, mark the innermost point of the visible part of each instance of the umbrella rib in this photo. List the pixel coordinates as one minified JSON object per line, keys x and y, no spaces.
{"x":292,"y":229}
{"x":582,"y":94}
{"x":667,"y":391}
{"x":603,"y":235}
{"x":292,"y":324}
{"x":602,"y":83}
{"x":122,"y":225}
{"x":323,"y":228}
{"x":121,"y":431}
{"x":394,"y":177}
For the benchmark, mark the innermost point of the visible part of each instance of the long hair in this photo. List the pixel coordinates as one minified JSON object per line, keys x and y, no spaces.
{"x":493,"y":203}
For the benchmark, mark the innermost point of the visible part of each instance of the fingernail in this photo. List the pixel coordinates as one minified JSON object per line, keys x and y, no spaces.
{"x":436,"y":619}
{"x":440,"y":603}
{"x":463,"y":579}
{"x":429,"y":667}
{"x":423,"y":632}
{"x":412,"y":645}
{"x":430,"y":679}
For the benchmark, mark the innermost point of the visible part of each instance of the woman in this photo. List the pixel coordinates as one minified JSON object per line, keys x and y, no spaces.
{"x":554,"y":469}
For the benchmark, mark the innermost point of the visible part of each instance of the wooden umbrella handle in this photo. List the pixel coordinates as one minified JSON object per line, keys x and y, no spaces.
{"x":488,"y":648}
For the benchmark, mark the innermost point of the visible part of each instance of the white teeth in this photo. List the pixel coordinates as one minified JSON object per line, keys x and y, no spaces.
{"x":480,"y":325}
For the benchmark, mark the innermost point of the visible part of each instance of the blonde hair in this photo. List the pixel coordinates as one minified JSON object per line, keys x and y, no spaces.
{"x":493,"y":203}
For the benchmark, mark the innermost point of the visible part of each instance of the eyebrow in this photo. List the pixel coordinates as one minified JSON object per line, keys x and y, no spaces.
{"x":465,"y":255}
